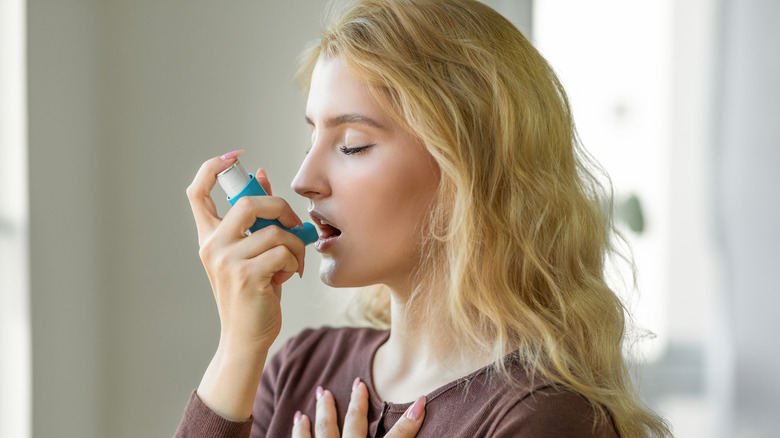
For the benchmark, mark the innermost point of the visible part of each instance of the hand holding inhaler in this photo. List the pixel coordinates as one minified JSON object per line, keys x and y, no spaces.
{"x":246,"y":272}
{"x":237,"y":183}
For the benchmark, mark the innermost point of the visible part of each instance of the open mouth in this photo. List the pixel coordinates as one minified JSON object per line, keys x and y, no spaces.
{"x":327,"y":230}
{"x":328,"y":233}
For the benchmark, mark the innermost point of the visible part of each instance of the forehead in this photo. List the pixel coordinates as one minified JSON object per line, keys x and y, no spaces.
{"x":334,"y":90}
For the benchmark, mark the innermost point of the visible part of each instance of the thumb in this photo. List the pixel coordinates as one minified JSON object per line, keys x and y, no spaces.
{"x":410,"y":423}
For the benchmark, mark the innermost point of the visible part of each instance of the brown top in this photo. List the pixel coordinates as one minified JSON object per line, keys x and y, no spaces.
{"x":477,"y":405}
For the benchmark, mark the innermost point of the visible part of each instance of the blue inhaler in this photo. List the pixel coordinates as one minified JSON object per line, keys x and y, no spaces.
{"x":237,"y":183}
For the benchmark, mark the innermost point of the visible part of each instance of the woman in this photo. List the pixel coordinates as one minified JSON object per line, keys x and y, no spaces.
{"x":445,"y":173}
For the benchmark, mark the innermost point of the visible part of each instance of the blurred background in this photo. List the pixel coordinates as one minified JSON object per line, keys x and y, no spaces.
{"x":108,"y":108}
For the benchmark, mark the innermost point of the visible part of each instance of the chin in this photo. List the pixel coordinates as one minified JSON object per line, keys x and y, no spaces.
{"x":336,"y":276}
{"x":329,"y":274}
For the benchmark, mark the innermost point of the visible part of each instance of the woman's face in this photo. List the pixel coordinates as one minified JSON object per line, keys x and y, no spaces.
{"x":369,"y":183}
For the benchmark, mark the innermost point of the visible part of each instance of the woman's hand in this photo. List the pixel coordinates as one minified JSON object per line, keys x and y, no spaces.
{"x":246,"y":273}
{"x":356,"y":420}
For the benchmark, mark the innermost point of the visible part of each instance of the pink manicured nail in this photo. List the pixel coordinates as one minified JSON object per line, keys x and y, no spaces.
{"x":356,"y":383}
{"x":319,"y":392}
{"x":231,"y":155}
{"x":297,"y":417}
{"x":415,"y":411}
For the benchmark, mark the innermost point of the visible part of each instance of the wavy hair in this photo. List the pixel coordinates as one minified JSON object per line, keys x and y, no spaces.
{"x":521,"y":227}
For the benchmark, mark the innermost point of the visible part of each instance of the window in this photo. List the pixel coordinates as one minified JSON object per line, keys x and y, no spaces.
{"x":638,"y":76}
{"x":15,"y":351}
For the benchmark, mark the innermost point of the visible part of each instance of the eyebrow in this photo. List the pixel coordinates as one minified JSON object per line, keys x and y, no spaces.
{"x":343,"y":119}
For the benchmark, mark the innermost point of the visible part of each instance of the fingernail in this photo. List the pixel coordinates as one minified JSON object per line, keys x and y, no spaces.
{"x":355,"y":383}
{"x":300,"y":272}
{"x":415,"y":411}
{"x":231,"y":155}
{"x":297,"y":417}
{"x":319,"y":392}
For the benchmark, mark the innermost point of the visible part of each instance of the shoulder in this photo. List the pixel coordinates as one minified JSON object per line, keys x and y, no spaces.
{"x":551,"y":411}
{"x":488,"y":403}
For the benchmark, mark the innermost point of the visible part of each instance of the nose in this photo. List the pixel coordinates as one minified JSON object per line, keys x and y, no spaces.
{"x":311,"y":180}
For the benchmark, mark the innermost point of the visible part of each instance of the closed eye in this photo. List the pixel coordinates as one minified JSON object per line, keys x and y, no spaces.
{"x":346,"y":150}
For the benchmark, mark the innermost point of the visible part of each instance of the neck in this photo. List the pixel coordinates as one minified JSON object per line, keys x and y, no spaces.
{"x":420,"y":355}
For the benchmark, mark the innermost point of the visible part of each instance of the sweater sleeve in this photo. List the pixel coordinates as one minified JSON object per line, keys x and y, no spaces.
{"x":554,"y":413}
{"x":200,"y":421}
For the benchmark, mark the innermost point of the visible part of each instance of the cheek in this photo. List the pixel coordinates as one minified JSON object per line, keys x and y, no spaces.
{"x":383,"y":212}
{"x":400,"y":209}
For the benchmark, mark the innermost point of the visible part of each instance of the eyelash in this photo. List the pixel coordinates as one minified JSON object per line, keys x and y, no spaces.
{"x":354,"y":150}
{"x":350,"y":150}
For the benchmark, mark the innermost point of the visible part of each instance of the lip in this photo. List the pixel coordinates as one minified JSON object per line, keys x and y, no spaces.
{"x":323,"y":243}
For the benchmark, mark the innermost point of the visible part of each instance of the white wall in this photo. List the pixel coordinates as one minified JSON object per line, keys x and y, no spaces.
{"x":64,"y":218}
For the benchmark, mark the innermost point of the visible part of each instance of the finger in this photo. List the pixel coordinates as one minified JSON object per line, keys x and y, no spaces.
{"x":265,"y":183}
{"x":356,"y":421}
{"x":248,"y":209}
{"x":410,"y":423}
{"x":325,"y":423}
{"x":262,"y":178}
{"x":301,"y":426}
{"x":199,"y":194}
{"x":275,"y":260}
{"x":280,"y":277}
{"x":264,"y":239}
{"x":273,"y":267}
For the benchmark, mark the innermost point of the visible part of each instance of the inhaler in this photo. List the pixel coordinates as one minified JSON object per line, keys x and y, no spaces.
{"x":237,"y":183}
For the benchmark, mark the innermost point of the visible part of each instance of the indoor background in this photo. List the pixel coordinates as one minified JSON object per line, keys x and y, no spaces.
{"x":108,"y":108}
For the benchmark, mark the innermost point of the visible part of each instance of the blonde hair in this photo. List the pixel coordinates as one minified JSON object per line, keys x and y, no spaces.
{"x":519,"y":232}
